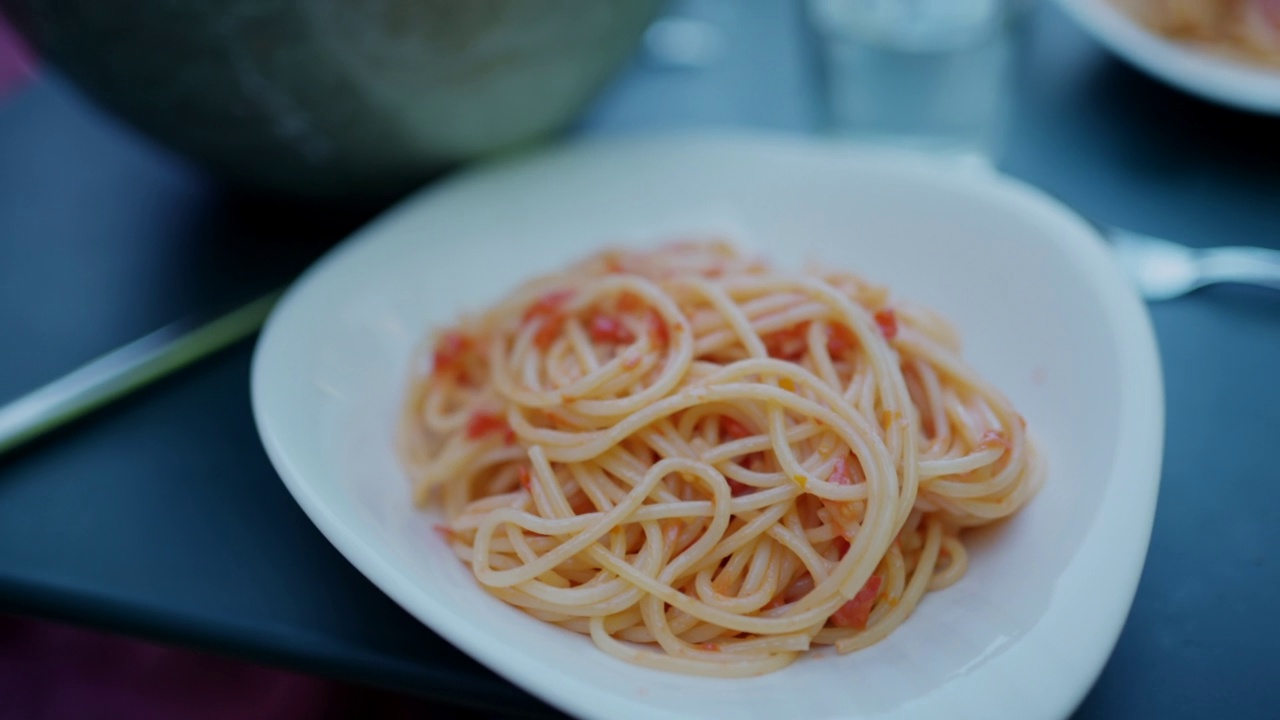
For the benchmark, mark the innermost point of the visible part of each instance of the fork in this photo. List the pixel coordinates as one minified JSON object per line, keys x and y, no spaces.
{"x":1164,"y":270}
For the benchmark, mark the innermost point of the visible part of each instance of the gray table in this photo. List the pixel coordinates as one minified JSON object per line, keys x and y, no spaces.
{"x":161,"y":516}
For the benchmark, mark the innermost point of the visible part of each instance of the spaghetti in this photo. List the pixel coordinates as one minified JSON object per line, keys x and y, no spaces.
{"x":1248,"y":29}
{"x":708,"y":465}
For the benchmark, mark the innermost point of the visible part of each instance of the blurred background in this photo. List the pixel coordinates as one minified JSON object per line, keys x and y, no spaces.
{"x":166,"y":159}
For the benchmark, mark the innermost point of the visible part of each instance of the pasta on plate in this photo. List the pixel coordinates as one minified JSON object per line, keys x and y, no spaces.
{"x":706,"y":464}
{"x":1246,"y":29}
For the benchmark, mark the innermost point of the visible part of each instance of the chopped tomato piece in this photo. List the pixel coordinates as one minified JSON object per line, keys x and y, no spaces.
{"x":857,"y":611}
{"x":484,"y":423}
{"x":548,"y":309}
{"x":788,"y":343}
{"x":737,"y":489}
{"x":549,"y":304}
{"x":840,"y":474}
{"x":548,"y":331}
{"x":525,"y":477}
{"x":846,"y":473}
{"x":887,"y":320}
{"x":609,"y":329}
{"x":733,"y":428}
{"x":446,"y":532}
{"x":709,"y":646}
{"x":840,"y":341}
{"x":837,"y":345}
{"x":993,"y":439}
{"x":450,"y":350}
{"x":844,"y":514}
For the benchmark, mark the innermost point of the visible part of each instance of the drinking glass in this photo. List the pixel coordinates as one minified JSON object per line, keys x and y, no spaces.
{"x":930,"y":75}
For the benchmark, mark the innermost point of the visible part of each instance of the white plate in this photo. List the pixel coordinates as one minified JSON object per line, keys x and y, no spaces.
{"x":1044,"y":311}
{"x":1212,"y":77}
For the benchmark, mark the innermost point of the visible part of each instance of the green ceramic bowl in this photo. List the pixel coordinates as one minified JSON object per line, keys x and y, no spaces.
{"x":337,"y":98}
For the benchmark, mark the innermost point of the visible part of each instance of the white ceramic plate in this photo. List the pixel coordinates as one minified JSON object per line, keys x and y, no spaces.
{"x":1044,"y":312}
{"x":1212,"y":77}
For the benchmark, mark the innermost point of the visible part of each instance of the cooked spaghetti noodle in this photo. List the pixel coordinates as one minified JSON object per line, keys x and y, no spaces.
{"x":709,"y":465}
{"x":1248,"y":29}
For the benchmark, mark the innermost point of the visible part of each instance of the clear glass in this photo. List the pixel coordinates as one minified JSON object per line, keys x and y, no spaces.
{"x":925,"y":74}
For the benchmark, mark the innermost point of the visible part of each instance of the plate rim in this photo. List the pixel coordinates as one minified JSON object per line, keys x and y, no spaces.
{"x":1219,"y":80}
{"x":1131,"y":329}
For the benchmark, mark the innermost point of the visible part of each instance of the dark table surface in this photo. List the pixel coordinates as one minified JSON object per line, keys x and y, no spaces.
{"x":161,"y":516}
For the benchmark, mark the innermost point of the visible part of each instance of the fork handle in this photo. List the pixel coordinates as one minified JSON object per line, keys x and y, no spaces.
{"x":1247,"y":265}
{"x":124,"y":370}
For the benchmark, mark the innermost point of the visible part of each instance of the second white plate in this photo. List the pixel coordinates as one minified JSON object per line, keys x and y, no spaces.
{"x":1215,"y":78}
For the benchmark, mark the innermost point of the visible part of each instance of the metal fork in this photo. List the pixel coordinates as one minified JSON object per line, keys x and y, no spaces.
{"x":1164,"y":270}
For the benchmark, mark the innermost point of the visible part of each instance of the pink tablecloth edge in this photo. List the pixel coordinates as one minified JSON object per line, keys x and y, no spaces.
{"x":17,"y":65}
